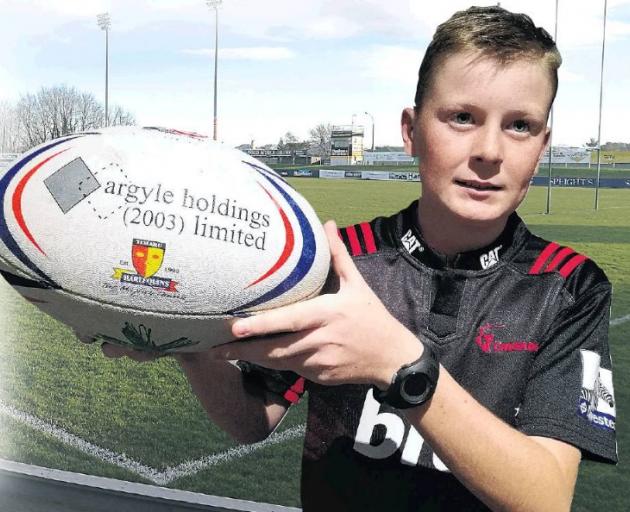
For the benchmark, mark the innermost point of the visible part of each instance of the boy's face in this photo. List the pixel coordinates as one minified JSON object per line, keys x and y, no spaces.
{"x":479,"y":135}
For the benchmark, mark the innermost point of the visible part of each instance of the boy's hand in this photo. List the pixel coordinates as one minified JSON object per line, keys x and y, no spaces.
{"x":342,"y":338}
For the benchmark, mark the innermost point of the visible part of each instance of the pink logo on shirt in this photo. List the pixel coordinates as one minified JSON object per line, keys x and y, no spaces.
{"x":487,"y":341}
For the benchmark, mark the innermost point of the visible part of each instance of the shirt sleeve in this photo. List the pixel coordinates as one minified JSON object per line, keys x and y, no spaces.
{"x":569,"y":395}
{"x":286,"y":386}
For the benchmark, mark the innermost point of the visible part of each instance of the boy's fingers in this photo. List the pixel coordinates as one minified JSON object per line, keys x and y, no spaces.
{"x":276,"y":351}
{"x":341,"y":260}
{"x":292,"y":318}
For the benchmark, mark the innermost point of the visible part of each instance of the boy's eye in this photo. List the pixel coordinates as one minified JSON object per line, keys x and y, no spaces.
{"x":463,"y":118}
{"x":520,"y":126}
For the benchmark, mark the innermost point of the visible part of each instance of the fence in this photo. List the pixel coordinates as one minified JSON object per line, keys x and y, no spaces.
{"x":574,"y":182}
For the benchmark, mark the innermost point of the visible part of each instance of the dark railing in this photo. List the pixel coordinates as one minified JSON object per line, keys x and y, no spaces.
{"x":27,"y":488}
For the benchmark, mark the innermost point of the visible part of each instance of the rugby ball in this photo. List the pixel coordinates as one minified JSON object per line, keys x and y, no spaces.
{"x":154,"y":239}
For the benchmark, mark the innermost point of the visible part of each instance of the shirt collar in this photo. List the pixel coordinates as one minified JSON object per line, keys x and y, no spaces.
{"x":410,"y":240}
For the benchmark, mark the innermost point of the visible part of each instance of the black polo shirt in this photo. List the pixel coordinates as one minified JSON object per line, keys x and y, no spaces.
{"x":521,"y":324}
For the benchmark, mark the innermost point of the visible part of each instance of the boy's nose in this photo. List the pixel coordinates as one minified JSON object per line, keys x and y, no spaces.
{"x":488,"y":146}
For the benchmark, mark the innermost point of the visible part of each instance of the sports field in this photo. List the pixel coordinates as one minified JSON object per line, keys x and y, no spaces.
{"x":62,"y":405}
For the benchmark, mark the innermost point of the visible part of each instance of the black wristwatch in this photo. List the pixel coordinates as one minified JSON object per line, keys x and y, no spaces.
{"x":414,"y":383}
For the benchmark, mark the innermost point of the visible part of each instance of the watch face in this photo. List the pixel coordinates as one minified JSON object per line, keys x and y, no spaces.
{"x":415,"y":387}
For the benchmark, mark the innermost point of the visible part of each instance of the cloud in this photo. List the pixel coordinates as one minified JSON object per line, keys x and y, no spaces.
{"x":71,"y":8}
{"x":333,"y":27}
{"x":617,"y":30}
{"x":250,"y":53}
{"x":8,"y":87}
{"x":391,"y":64}
{"x":579,"y":22}
{"x":279,"y":20}
{"x":287,"y":20}
{"x":566,"y":76}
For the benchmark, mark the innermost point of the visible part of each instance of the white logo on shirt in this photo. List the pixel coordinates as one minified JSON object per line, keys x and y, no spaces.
{"x":411,"y":243}
{"x":395,"y":431}
{"x":491,"y":258}
{"x":597,"y":399}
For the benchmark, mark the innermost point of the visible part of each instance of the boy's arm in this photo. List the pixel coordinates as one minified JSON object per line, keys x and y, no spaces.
{"x":248,"y":414}
{"x":503,"y":467}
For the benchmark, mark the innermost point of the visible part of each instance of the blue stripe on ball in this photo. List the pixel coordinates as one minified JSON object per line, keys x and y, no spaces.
{"x":5,"y":234}
{"x":309,"y":248}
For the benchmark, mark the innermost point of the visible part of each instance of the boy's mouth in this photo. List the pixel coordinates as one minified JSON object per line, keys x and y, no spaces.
{"x":477,"y":185}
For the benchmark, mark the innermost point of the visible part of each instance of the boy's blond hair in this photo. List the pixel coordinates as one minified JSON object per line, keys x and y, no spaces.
{"x":493,"y":33}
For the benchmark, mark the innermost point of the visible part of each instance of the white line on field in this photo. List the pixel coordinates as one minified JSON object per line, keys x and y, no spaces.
{"x":154,"y":475}
{"x":194,"y":466}
{"x":620,"y":320}
{"x":117,"y":459}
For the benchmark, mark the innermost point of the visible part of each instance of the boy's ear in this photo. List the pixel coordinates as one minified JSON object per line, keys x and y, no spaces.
{"x":407,"y":122}
{"x":546,"y":142}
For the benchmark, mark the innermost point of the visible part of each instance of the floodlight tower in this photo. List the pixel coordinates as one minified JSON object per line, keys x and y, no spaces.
{"x":214,"y":4}
{"x":549,"y":168}
{"x":105,"y":22}
{"x":601,"y":99}
{"x":372,"y":118}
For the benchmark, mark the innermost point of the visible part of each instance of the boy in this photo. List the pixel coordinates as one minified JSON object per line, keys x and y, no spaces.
{"x":463,"y":363}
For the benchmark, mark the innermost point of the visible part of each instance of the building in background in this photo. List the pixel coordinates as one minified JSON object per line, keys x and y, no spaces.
{"x":567,"y":156}
{"x":346,"y":145}
{"x":613,"y":158}
{"x":388,"y":158}
{"x":275,"y":156}
{"x":573,"y":156}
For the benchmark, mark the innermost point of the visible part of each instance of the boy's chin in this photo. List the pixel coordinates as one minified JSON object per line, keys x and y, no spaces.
{"x":483,"y":217}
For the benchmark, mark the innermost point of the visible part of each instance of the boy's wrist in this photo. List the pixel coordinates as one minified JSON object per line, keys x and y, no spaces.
{"x":413,"y":383}
{"x":411,"y":351}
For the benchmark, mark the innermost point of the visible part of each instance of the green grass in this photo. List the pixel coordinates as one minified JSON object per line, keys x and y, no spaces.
{"x":22,"y":444}
{"x":148,"y":412}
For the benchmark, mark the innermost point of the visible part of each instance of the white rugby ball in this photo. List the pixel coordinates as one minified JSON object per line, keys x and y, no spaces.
{"x":154,"y":239}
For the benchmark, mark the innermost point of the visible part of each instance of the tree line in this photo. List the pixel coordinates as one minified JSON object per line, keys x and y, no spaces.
{"x":318,"y":143}
{"x":62,"y":110}
{"x":608,"y":146}
{"x":53,"y":112}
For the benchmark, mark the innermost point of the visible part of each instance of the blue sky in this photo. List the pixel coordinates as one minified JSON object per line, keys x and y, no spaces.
{"x":287,"y":65}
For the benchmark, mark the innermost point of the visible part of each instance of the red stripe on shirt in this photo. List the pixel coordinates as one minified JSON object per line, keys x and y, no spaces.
{"x":543,"y":257}
{"x":368,"y":236}
{"x":355,"y":246}
{"x":569,"y":267}
{"x":294,"y":394}
{"x":298,"y":387}
{"x":562,"y":254}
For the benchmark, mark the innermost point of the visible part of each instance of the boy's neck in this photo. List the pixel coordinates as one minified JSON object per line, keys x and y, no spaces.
{"x":451,"y":235}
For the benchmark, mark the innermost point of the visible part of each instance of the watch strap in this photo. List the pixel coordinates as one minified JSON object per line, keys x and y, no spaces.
{"x":424,"y":370}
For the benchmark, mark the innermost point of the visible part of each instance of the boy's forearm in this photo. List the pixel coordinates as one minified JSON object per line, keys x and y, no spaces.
{"x":219,"y":386}
{"x":499,"y":464}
